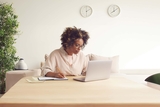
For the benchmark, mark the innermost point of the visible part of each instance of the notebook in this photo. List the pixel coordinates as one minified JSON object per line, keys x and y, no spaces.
{"x":97,"y":70}
{"x":51,"y":78}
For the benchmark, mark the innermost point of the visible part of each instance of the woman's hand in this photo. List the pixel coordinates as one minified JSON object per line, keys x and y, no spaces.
{"x":58,"y":74}
{"x":55,"y":74}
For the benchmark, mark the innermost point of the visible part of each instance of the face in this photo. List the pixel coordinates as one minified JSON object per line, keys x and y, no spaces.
{"x":76,"y":46}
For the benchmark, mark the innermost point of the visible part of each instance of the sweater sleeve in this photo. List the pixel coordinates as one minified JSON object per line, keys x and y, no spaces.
{"x":50,"y":64}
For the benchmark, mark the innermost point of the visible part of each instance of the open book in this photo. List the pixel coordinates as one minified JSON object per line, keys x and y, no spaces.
{"x":51,"y":78}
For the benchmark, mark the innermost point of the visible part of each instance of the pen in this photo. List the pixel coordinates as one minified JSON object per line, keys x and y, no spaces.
{"x":59,"y":71}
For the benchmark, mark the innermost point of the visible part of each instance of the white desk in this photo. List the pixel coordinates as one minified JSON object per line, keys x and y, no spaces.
{"x":113,"y":92}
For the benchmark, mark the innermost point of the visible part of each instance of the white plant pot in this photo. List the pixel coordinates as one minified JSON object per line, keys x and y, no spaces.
{"x":21,"y":65}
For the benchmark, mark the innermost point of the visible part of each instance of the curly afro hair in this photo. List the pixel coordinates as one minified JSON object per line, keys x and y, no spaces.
{"x":70,"y":34}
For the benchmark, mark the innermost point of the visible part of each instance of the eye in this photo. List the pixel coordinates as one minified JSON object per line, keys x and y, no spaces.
{"x":78,"y":46}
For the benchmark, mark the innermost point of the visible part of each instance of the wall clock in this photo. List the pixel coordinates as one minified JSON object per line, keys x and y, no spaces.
{"x":113,"y":10}
{"x":86,"y":11}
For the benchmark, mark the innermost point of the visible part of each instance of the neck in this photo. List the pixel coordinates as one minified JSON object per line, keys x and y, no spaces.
{"x":69,"y":52}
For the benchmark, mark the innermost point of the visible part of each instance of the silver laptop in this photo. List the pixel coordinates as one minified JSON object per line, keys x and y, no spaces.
{"x":97,"y":70}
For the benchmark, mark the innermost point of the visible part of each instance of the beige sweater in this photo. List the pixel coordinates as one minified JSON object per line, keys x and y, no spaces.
{"x":69,"y":65}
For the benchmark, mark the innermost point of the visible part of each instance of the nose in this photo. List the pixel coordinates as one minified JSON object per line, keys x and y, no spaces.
{"x":79,"y":48}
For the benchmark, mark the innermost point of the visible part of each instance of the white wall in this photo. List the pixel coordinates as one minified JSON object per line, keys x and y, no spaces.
{"x":134,"y":34}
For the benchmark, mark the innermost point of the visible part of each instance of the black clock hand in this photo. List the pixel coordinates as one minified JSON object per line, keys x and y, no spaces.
{"x":88,"y":10}
{"x":114,"y":10}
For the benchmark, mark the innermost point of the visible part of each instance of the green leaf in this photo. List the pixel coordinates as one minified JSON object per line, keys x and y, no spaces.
{"x":8,"y":29}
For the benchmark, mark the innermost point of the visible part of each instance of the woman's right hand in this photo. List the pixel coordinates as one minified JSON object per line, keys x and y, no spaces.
{"x":59,"y":75}
{"x":55,"y":74}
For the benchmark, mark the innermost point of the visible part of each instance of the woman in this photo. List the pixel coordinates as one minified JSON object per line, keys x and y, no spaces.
{"x":69,"y":59}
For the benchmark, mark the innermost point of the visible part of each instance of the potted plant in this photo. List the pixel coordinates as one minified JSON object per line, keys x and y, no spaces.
{"x":8,"y":30}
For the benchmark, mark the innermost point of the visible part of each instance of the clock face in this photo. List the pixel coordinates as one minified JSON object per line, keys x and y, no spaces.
{"x":113,"y":10}
{"x":86,"y":11}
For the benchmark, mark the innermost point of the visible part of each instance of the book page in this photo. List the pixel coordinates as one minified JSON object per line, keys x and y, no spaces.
{"x":51,"y":78}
